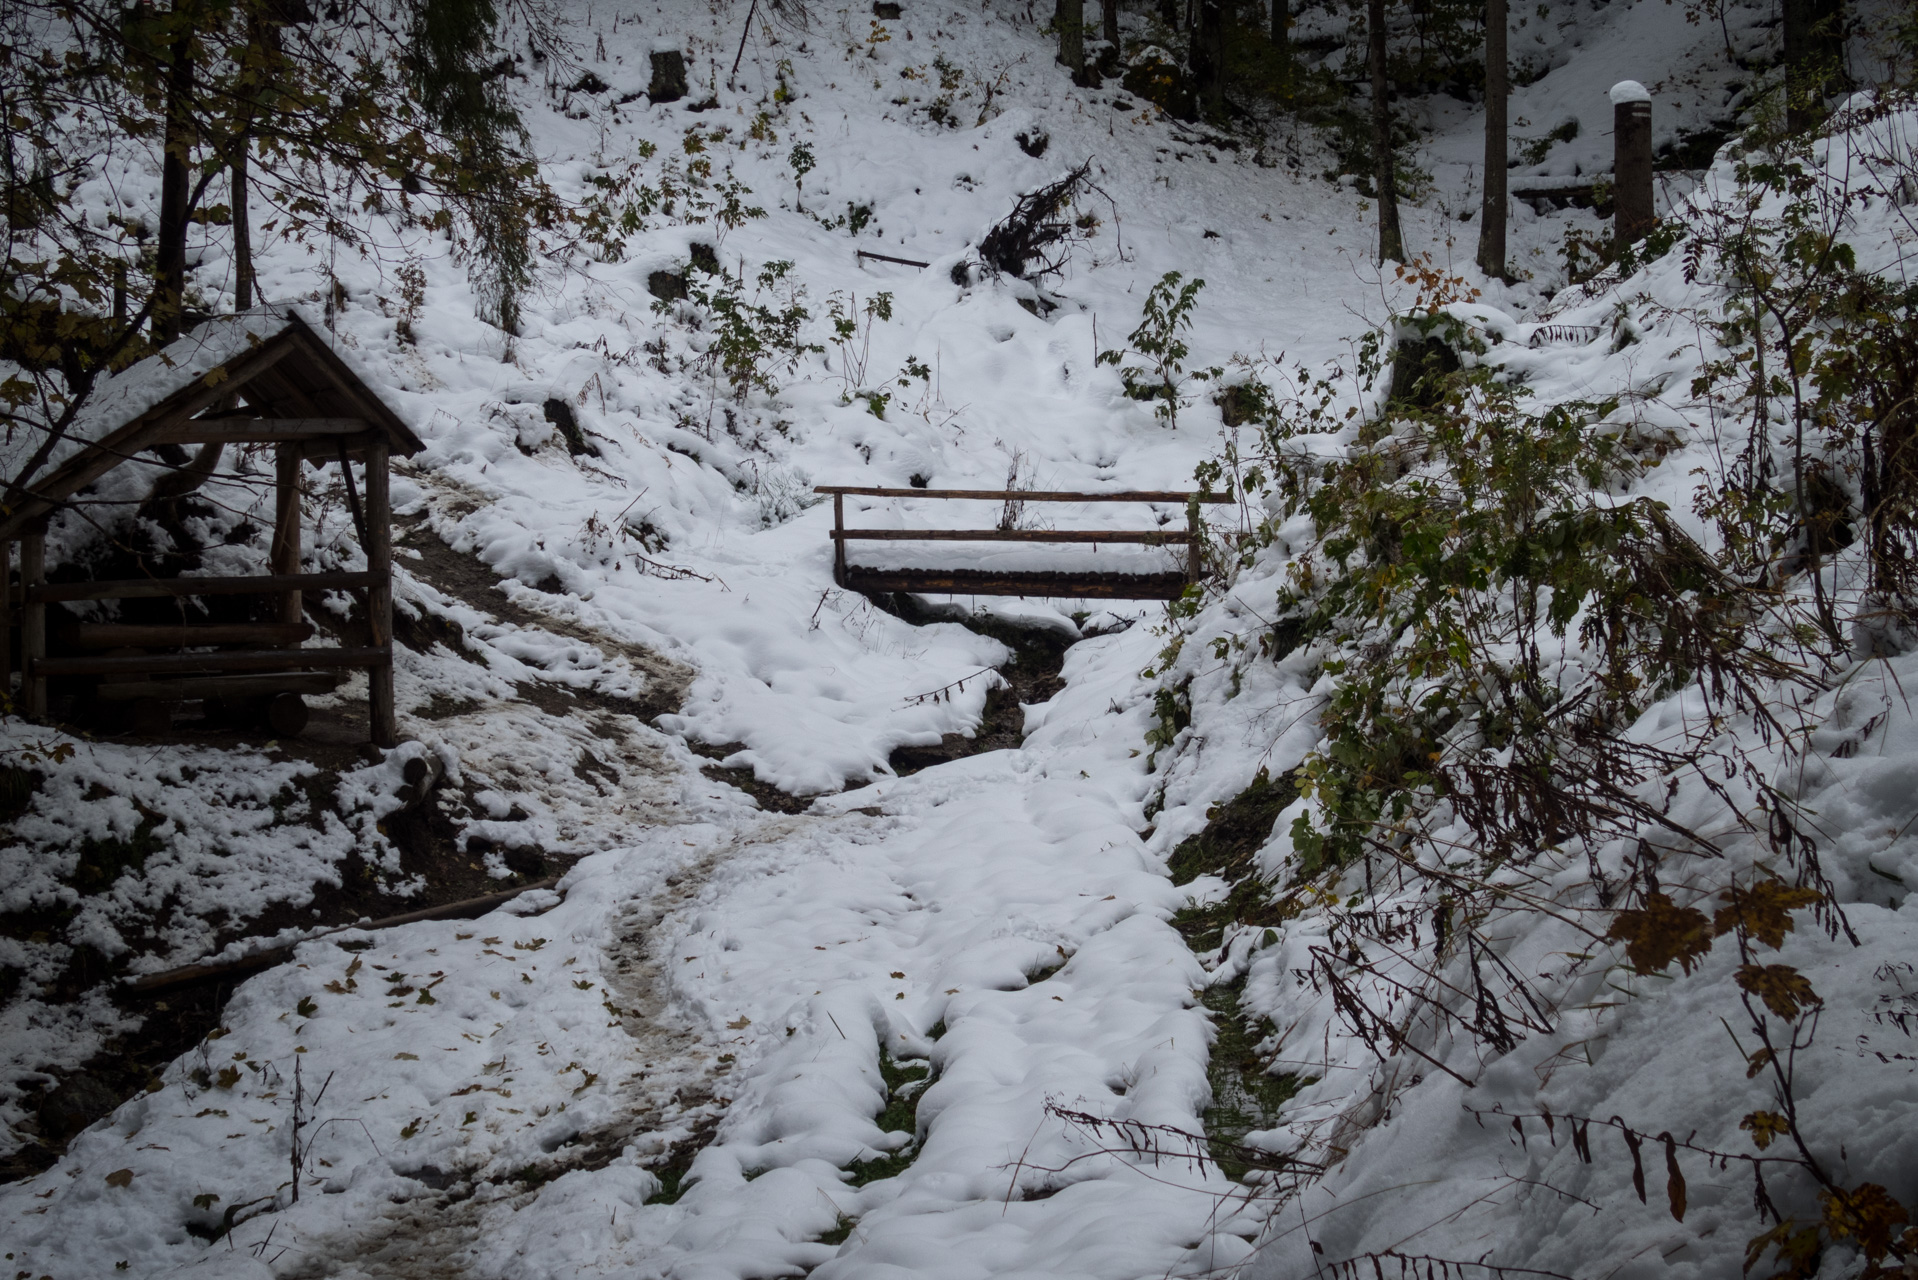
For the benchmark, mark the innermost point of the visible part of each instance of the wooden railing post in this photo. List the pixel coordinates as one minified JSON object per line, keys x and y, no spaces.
{"x":379,"y":596}
{"x":285,"y":553}
{"x":33,"y":621}
{"x":838,"y":542}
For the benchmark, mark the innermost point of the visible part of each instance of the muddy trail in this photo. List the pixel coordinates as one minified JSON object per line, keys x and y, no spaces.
{"x":621,"y":766}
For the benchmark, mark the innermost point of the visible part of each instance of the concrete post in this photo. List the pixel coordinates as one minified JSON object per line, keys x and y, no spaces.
{"x":1631,"y":161}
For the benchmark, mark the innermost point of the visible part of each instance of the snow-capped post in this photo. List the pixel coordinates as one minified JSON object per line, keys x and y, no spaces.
{"x":1631,"y":161}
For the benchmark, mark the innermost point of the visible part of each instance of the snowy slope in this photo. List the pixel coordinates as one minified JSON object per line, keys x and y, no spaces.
{"x":501,"y":1087}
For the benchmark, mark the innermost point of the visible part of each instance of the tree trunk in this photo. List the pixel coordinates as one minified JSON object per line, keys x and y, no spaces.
{"x":1109,"y":19}
{"x":1169,"y":13}
{"x":1491,"y":227}
{"x":1391,"y":242}
{"x":242,"y":234}
{"x":1208,"y":59}
{"x":1814,"y":52}
{"x":1282,"y":38}
{"x":1072,"y":36}
{"x":170,"y":251}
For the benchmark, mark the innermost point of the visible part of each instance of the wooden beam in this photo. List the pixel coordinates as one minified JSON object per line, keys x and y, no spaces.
{"x":160,"y":664}
{"x":260,"y":430}
{"x":195,"y":687}
{"x":33,"y":621}
{"x":1025,"y":495}
{"x":382,"y":714}
{"x":1152,"y":537}
{"x":975,"y":582}
{"x":96,"y":459}
{"x":122,"y":635}
{"x":152,"y":588}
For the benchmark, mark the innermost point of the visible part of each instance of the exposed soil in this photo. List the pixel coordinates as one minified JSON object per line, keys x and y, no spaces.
{"x":1038,"y":655}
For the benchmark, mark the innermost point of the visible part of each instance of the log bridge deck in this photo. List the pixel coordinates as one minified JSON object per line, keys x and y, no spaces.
{"x":1069,"y":585}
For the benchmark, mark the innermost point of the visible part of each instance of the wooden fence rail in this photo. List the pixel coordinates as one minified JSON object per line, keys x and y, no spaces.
{"x":1062,"y":584}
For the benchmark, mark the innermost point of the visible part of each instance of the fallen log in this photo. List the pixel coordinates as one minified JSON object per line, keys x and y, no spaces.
{"x":258,"y":960}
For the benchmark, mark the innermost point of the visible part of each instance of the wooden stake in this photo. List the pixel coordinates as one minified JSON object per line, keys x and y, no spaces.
{"x":1631,"y":162}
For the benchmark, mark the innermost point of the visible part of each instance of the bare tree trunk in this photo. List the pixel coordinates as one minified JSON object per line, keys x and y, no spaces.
{"x":1391,"y":242}
{"x":1208,"y":58}
{"x":1109,"y":17}
{"x":1282,"y":38}
{"x":170,"y":252}
{"x":242,"y":234}
{"x":1491,"y":227}
{"x":1814,"y":52}
{"x":1169,"y":13}
{"x":1072,"y":37}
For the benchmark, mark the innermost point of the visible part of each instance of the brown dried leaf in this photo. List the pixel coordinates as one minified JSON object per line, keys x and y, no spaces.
{"x":1674,"y":1179}
{"x":120,"y":1178}
{"x":1660,"y":933}
{"x":1757,"y":1063}
{"x":1866,"y":1212}
{"x":1763,"y":911}
{"x":1784,"y":990}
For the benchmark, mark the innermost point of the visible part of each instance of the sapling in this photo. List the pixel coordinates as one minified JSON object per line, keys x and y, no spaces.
{"x":1168,"y":315}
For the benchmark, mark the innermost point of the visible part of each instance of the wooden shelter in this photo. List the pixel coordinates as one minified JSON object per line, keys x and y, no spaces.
{"x":1057,"y":584}
{"x":260,"y":377}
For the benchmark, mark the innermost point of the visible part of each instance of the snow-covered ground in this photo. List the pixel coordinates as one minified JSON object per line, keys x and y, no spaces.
{"x":499,"y":1097}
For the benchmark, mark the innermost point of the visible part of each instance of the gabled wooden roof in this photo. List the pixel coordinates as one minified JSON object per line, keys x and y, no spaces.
{"x":270,"y":357}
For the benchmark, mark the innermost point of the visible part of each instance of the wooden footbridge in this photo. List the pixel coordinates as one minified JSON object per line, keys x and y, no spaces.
{"x":1061,"y":584}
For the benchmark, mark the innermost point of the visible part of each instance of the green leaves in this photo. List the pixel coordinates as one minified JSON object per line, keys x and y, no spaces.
{"x":1167,"y":316}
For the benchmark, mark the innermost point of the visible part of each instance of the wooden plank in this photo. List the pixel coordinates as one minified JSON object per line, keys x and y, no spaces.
{"x":259,"y":960}
{"x":384,"y":723}
{"x":197,"y":663}
{"x":1025,"y":495}
{"x":1152,"y":537}
{"x":260,"y":430}
{"x":133,"y":635}
{"x":1070,"y":586}
{"x":193,"y":687}
{"x":151,"y":588}
{"x":886,"y":257}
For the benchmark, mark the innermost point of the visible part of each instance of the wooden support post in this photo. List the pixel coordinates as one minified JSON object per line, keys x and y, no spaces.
{"x":1631,"y":161}
{"x":1194,"y":560}
{"x":285,"y":551}
{"x":838,"y":542}
{"x":6,"y":622}
{"x":379,"y":596}
{"x":33,"y":622}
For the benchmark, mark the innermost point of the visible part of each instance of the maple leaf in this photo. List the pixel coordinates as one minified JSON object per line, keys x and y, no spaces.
{"x":1783,"y":989}
{"x":1661,"y":932}
{"x":1764,"y":1126}
{"x":1763,"y":911}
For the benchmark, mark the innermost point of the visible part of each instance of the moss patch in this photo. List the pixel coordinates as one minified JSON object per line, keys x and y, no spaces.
{"x":1245,"y":1096}
{"x":904,"y":1083}
{"x":1235,"y":831}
